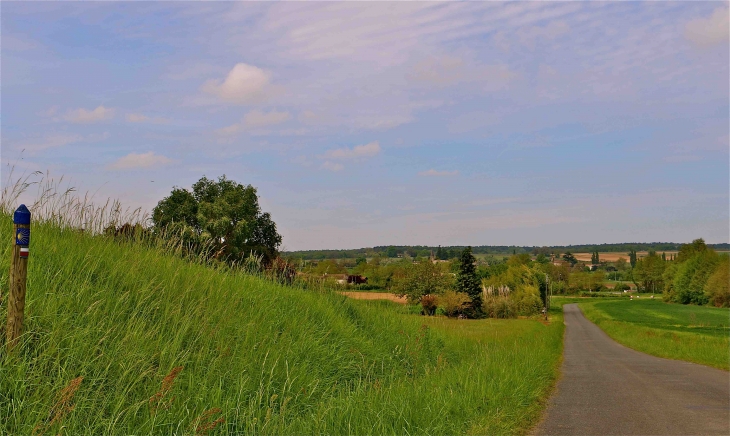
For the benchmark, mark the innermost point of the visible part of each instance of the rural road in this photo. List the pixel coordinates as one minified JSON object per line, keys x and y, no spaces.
{"x":608,"y":389}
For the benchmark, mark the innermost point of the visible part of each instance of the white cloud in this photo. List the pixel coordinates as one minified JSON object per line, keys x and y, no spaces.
{"x":140,"y":160}
{"x":257,"y":118}
{"x":140,"y":118}
{"x":706,"y":32}
{"x":359,"y":151}
{"x":332,"y":166}
{"x":82,"y":115}
{"x":244,"y":84}
{"x":435,"y":173}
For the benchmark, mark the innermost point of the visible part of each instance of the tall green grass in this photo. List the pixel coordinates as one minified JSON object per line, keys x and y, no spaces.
{"x":158,"y":341}
{"x":697,"y":334}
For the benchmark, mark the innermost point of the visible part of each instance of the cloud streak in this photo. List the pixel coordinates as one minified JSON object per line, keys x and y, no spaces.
{"x":359,"y":151}
{"x":140,"y":160}
{"x":83,"y":116}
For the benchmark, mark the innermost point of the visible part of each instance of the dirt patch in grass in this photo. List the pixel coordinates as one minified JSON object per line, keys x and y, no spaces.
{"x":375,"y":296}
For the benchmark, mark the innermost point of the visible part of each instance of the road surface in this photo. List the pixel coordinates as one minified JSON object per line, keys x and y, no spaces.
{"x":608,"y":389}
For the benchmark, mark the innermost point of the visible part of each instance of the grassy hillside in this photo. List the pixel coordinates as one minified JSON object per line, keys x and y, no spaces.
{"x":123,"y":339}
{"x":697,"y":334}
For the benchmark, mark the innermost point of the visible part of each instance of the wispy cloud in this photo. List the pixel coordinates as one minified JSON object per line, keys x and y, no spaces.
{"x":706,"y":32}
{"x":140,"y":118}
{"x":435,"y":173}
{"x":254,"y":121}
{"x":359,"y":151}
{"x":83,"y":116}
{"x":333,"y":166}
{"x":57,"y":140}
{"x":140,"y":160}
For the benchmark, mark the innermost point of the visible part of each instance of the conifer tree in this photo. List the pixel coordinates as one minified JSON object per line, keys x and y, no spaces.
{"x":468,"y":282}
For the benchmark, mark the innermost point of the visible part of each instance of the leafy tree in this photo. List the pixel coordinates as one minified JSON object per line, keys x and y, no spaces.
{"x":692,"y":276}
{"x":541,"y":258}
{"x":632,"y":258}
{"x":568,"y":257}
{"x":423,"y":278}
{"x":717,"y":288}
{"x":223,"y":216}
{"x":467,"y":281}
{"x":391,"y":252}
{"x":686,"y":251}
{"x":649,"y":271}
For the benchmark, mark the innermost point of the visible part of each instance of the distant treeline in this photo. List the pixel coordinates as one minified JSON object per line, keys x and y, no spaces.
{"x":454,"y":251}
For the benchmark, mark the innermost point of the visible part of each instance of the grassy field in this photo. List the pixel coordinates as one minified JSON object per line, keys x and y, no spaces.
{"x":126,"y":339}
{"x":697,"y":334}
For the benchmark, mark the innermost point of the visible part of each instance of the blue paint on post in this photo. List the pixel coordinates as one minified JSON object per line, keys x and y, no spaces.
{"x":22,"y":237}
{"x":21,"y":215}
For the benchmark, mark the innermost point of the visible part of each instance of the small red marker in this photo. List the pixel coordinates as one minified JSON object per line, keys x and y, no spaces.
{"x":23,"y":251}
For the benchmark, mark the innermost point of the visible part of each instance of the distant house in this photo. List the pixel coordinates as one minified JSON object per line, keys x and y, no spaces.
{"x":347,"y":279}
{"x":593,"y":267}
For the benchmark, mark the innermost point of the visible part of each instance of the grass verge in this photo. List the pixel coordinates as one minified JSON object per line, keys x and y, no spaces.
{"x":696,"y":334}
{"x":126,"y":339}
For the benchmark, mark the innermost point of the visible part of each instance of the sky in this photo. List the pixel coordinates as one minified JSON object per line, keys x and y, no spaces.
{"x":365,"y":124}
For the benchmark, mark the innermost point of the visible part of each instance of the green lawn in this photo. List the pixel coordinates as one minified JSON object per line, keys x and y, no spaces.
{"x":265,"y":358}
{"x":697,"y":334}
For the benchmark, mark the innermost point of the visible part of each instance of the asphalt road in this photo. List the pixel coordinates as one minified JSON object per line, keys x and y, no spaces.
{"x":608,"y":389}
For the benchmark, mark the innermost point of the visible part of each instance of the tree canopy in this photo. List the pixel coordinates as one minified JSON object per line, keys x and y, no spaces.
{"x":223,"y":216}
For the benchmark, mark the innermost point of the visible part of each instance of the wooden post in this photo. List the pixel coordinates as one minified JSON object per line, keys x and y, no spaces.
{"x":18,"y":275}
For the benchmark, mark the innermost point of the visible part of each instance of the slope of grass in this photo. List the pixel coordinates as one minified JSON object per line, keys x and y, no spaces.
{"x":160,"y":341}
{"x":697,"y":334}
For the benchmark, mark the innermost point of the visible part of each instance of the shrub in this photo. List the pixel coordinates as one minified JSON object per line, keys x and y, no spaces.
{"x":454,"y":303}
{"x":500,"y":307}
{"x":429,"y":303}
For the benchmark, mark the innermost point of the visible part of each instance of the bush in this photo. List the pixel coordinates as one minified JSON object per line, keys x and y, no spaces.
{"x":621,"y":287}
{"x":454,"y":303}
{"x":500,"y":307}
{"x":429,"y":304}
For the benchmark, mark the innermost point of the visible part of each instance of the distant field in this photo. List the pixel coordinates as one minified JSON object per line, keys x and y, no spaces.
{"x":697,"y":334}
{"x":375,"y":296}
{"x":613,"y":257}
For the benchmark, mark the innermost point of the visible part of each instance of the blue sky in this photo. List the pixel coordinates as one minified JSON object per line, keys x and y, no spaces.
{"x":367,"y":124}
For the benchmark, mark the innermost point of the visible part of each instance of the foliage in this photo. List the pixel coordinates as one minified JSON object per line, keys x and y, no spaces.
{"x":454,"y":303}
{"x":586,"y":281}
{"x":648,"y":273}
{"x":568,"y":257}
{"x":519,"y":284}
{"x":423,"y":278}
{"x":595,"y":259}
{"x":468,"y":283}
{"x":429,"y":303}
{"x":632,"y":257}
{"x":716,"y":288}
{"x":225,"y":214}
{"x":694,"y":265}
{"x":500,"y":307}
